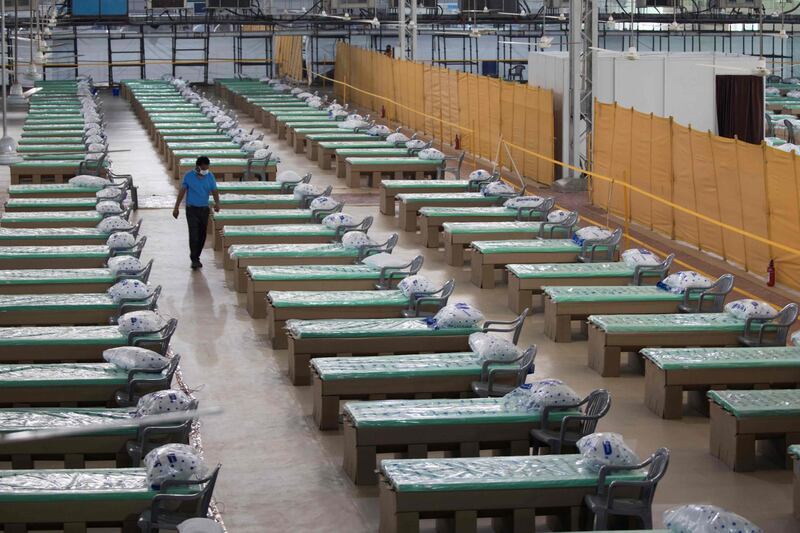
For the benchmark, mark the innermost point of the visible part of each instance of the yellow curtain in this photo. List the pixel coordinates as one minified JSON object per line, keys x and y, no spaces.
{"x":752,"y":188}
{"x":289,"y":56}
{"x":442,"y":103}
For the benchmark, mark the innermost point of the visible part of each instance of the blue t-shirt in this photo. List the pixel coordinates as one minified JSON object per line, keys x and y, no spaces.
{"x":198,"y":188}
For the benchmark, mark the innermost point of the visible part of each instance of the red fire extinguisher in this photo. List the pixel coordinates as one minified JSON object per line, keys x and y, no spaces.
{"x":383,"y":111}
{"x":771,"y":273}
{"x":457,"y":143}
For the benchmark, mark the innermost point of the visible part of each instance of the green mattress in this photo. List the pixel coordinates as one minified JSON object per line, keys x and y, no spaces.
{"x":284,"y":299}
{"x":318,"y":137}
{"x":55,"y":188}
{"x":70,"y":133}
{"x":611,"y":294}
{"x":34,"y":142}
{"x":10,"y":303}
{"x":64,"y":217}
{"x":454,"y":197}
{"x":47,"y":163}
{"x":511,"y":226}
{"x":367,"y":161}
{"x":56,"y":276}
{"x":312,"y":272}
{"x":398,"y":366}
{"x":48,"y":148}
{"x":494,"y":473}
{"x":203,"y":145}
{"x":39,"y":418}
{"x":221,"y":161}
{"x":443,"y":212}
{"x":689,"y":358}
{"x":260,"y":214}
{"x":433,"y":184}
{"x":316,"y":131}
{"x":88,"y":203}
{"x":262,"y":199}
{"x":60,"y":335}
{"x":369,"y":327}
{"x":402,"y":413}
{"x":662,"y":323}
{"x":54,"y":252}
{"x":571,"y":270}
{"x":64,"y":374}
{"x":275,"y":230}
{"x":527,"y":246}
{"x":214,"y":153}
{"x":7,"y":234}
{"x":232,"y":186}
{"x":292,"y":250}
{"x":48,"y":486}
{"x":749,"y":403}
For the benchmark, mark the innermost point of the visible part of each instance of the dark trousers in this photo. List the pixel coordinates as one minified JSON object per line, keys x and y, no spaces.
{"x":197,"y":219}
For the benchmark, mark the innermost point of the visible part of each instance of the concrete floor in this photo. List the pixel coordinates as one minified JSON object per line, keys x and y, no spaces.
{"x":279,"y":472}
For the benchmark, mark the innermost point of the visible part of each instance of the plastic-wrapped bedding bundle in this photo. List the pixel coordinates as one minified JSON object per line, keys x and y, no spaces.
{"x":88,"y":181}
{"x":120,"y":240}
{"x":384,"y":260}
{"x":305,"y":189}
{"x":253,"y":146}
{"x":498,"y":188}
{"x":379,"y":129}
{"x":110,"y":193}
{"x":163,"y":401}
{"x":129,"y":289}
{"x":140,"y":322}
{"x":177,"y":462}
{"x":335,"y":220}
{"x":431,"y":154}
{"x":113,"y":223}
{"x":323,"y":203}
{"x":397,"y":137}
{"x":134,"y":358}
{"x":605,"y":449}
{"x":694,"y":518}
{"x":591,"y":233}
{"x":356,"y":240}
{"x":685,"y":279}
{"x":747,"y":308}
{"x":108,"y":207}
{"x":457,"y":315}
{"x":415,"y":284}
{"x":557,"y":216}
{"x":260,"y":155}
{"x":524,"y":202}
{"x":535,"y":396}
{"x":639,"y":256}
{"x":124,"y":263}
{"x":492,"y":347}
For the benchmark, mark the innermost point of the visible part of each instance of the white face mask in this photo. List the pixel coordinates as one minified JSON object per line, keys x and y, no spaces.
{"x":203,"y":172}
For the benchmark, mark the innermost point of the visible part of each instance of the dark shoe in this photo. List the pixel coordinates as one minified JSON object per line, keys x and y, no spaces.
{"x":199,"y":264}
{"x":196,"y":265}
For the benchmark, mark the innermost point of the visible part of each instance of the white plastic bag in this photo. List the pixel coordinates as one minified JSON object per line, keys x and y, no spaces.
{"x":479,"y":175}
{"x":113,"y":223}
{"x":431,"y":154}
{"x":535,"y":396}
{"x":605,"y":449}
{"x":140,"y":321}
{"x":253,"y":146}
{"x":356,"y":239}
{"x":498,"y":188}
{"x":457,"y":315}
{"x":397,"y":137}
{"x":747,"y":308}
{"x":288,"y":176}
{"x":88,"y":181}
{"x":493,"y":347}
{"x":163,"y":401}
{"x":323,"y":203}
{"x":526,"y":202}
{"x":108,"y":207}
{"x":557,"y":216}
{"x":379,"y":129}
{"x":334,"y":220}
{"x":694,"y":518}
{"x":260,"y":155}
{"x":120,"y":241}
{"x":110,"y":193}
{"x":134,"y":357}
{"x":124,"y":263}
{"x":384,"y":260}
{"x":128,"y":289}
{"x":639,"y":256}
{"x":591,"y":233}
{"x":415,"y":144}
{"x":304,"y":189}
{"x":415,"y":285}
{"x":685,"y":279}
{"x":177,"y":462}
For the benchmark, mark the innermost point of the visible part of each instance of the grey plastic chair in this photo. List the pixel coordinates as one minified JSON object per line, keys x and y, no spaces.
{"x":642,"y":273}
{"x":434,"y":299}
{"x":318,"y":214}
{"x":364,"y":226}
{"x":476,"y":184}
{"x":454,"y":169}
{"x":769,"y":332}
{"x":133,"y":231}
{"x":384,"y":247}
{"x":153,"y":379}
{"x":149,"y":438}
{"x":160,"y":338}
{"x":507,"y":326}
{"x":511,"y":374}
{"x":306,"y":200}
{"x":573,"y":427}
{"x":605,"y":503}
{"x":126,"y":305}
{"x":600,"y":249}
{"x":769,"y":125}
{"x":288,"y":186}
{"x":134,"y":251}
{"x":389,"y":274}
{"x":566,"y":227}
{"x":168,"y":510}
{"x":710,"y":300}
{"x":127,"y":180}
{"x":539,"y":213}
{"x":93,"y":167}
{"x":789,"y":131}
{"x":257,"y":168}
{"x":515,"y":73}
{"x":142,"y":275}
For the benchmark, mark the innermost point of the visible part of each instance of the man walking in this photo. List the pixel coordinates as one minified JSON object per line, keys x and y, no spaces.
{"x":196,"y":187}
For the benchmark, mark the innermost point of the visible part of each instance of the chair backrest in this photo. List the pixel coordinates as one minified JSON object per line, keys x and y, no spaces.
{"x":658,"y":463}
{"x":142,"y":275}
{"x":364,"y":226}
{"x":308,"y":198}
{"x":539,"y":213}
{"x":789,"y":131}
{"x":318,"y":214}
{"x":546,"y":229}
{"x":196,"y":504}
{"x":132,"y":304}
{"x":507,"y":326}
{"x":782,"y":322}
{"x":372,"y":249}
{"x":160,"y":338}
{"x":604,"y":249}
{"x":389,"y":273}
{"x":662,"y":269}
{"x":712,"y":299}
{"x":595,"y":406}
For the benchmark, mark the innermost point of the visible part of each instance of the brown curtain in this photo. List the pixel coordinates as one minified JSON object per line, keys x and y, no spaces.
{"x":740,"y":107}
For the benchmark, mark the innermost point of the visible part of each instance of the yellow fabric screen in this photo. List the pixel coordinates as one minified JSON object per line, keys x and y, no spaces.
{"x":289,"y":56}
{"x":443,"y":104}
{"x":753,"y":188}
